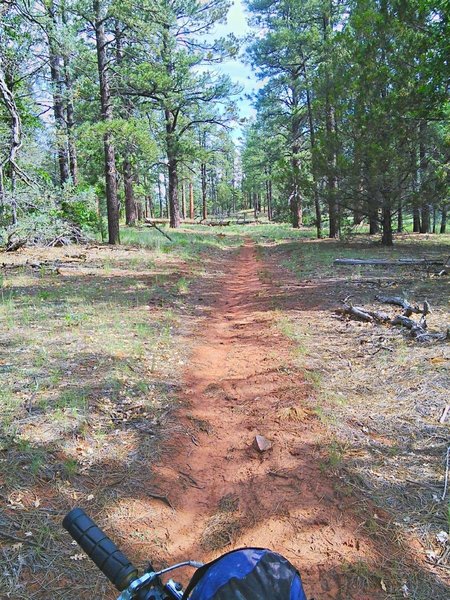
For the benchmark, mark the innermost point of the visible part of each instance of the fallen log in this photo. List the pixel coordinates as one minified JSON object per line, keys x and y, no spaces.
{"x":356,"y":312}
{"x":399,"y":301}
{"x":217,"y":223}
{"x":12,"y":246}
{"x":167,"y":221}
{"x":400,"y":262}
{"x":362,"y":314}
{"x":428,"y":337}
{"x":409,"y":309}
{"x":407,"y":322}
{"x":417,"y":329}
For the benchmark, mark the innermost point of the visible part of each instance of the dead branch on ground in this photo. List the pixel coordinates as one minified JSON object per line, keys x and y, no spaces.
{"x":417,"y":329}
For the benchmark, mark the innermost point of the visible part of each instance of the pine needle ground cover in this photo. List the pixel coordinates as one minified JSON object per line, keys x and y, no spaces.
{"x":380,"y":393}
{"x":92,"y":345}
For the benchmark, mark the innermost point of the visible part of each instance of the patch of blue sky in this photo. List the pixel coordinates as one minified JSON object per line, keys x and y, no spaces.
{"x":239,"y":71}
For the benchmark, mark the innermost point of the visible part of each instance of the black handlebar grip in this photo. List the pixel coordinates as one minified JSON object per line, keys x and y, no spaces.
{"x":97,"y":545}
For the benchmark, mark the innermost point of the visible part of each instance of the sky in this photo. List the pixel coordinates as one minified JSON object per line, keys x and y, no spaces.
{"x":238,"y":71}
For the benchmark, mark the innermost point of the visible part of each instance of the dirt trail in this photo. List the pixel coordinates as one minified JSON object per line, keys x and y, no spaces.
{"x":239,"y":384}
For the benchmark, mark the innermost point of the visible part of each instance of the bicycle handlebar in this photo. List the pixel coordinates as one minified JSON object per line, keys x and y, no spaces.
{"x":100,"y":549}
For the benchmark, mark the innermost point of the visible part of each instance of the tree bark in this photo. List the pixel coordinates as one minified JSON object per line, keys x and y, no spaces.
{"x":425,"y":219}
{"x":443,"y":220}
{"x":191,"y":200}
{"x":183,"y":201}
{"x":204,"y":196}
{"x":386,"y":216}
{"x":149,"y":209}
{"x":414,"y":180}
{"x":416,"y":220}
{"x":400,"y":217}
{"x":73,"y":159}
{"x":425,"y":208}
{"x":172,"y":164}
{"x":312,"y":138}
{"x":56,"y":74}
{"x":269,"y":201}
{"x":112,"y":203}
{"x":296,"y":199}
{"x":140,"y":211}
{"x":70,"y":115}
{"x":160,"y":198}
{"x":333,"y":209}
{"x":15,"y":144}
{"x":330,"y":126}
{"x":130,"y":203}
{"x":174,"y":212}
{"x":374,"y":226}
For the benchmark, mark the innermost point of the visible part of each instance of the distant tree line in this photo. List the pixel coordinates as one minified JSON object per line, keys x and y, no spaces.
{"x":114,"y":108}
{"x":353,"y":116}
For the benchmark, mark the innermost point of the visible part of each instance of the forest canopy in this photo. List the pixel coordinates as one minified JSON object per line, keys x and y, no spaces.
{"x":114,"y":112}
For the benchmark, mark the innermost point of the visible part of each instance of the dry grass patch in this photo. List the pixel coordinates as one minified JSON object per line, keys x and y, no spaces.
{"x":92,"y":344}
{"x":224,"y":526}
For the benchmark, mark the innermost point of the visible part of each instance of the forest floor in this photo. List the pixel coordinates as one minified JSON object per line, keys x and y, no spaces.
{"x":134,"y":382}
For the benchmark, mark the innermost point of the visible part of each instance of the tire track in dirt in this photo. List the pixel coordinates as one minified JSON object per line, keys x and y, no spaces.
{"x":240,"y":383}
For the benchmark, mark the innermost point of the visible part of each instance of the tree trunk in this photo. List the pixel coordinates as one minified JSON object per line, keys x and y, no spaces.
{"x":174,"y":212}
{"x":191,"y":200}
{"x":333,"y":209}
{"x":374,"y":226}
{"x":151,"y":206}
{"x":425,"y":207}
{"x":183,"y":201}
{"x":296,"y":198}
{"x":416,"y":220}
{"x":400,"y":217}
{"x":112,"y":203}
{"x":270,"y":201}
{"x":267,"y":203}
{"x":312,"y":138}
{"x":140,"y":211}
{"x":160,"y":198}
{"x":56,"y":75}
{"x":130,"y":203}
{"x":73,"y":159}
{"x":386,"y":216}
{"x":70,"y":115}
{"x":7,"y":95}
{"x":443,"y":220}
{"x":172,"y":168}
{"x":330,"y":126}
{"x":204,"y":198}
{"x":425,"y":219}
{"x":414,"y":186}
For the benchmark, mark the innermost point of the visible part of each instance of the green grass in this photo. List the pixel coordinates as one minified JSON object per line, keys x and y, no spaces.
{"x":188,"y":244}
{"x":307,"y":257}
{"x":75,"y":400}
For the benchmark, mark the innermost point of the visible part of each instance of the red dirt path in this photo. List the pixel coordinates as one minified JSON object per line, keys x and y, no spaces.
{"x":240,"y":382}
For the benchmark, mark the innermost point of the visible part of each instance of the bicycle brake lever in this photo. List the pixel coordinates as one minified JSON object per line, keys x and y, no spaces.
{"x":137,"y":585}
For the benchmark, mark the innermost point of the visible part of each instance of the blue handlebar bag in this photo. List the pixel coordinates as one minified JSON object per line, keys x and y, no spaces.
{"x":246,"y":574}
